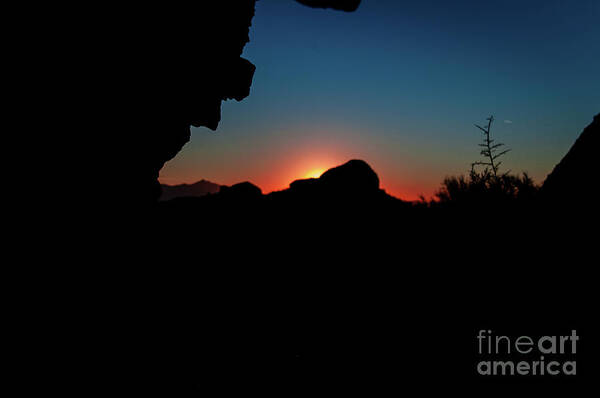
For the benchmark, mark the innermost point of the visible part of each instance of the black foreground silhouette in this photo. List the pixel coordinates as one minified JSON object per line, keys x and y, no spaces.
{"x":334,"y":285}
{"x":331,"y":286}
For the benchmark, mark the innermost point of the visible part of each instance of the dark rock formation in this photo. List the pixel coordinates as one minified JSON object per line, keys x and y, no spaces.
{"x":337,"y":190}
{"x":354,"y":180}
{"x":574,"y":178}
{"x":355,"y":175}
{"x":172,"y":66}
{"x":199,"y":188}
{"x":244,"y":191}
{"x":187,"y":61}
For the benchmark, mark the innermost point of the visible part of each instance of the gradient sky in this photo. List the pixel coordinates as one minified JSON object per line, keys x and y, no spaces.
{"x":400,"y":84}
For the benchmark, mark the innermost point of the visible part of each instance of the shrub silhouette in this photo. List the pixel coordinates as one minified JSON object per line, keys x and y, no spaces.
{"x":485,"y":187}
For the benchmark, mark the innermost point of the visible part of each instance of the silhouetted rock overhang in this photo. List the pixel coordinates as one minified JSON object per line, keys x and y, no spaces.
{"x":178,"y":64}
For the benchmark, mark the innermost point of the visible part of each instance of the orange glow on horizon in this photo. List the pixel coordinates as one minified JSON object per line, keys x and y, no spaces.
{"x":315,"y":173}
{"x":278,"y":170}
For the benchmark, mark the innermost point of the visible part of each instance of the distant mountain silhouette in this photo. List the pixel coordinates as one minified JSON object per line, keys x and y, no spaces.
{"x":199,"y":188}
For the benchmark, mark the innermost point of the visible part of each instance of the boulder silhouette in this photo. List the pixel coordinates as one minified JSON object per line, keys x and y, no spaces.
{"x":355,"y":175}
{"x":353,"y":179}
{"x":243,"y":191}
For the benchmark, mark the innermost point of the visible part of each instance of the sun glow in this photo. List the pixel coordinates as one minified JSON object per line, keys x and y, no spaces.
{"x":315,"y":173}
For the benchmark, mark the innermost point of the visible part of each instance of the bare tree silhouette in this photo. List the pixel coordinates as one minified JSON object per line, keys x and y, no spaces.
{"x":487,"y":186}
{"x":491,"y":152}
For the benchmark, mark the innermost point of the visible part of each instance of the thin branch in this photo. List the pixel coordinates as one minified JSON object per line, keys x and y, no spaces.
{"x":481,"y":128}
{"x":500,"y":154}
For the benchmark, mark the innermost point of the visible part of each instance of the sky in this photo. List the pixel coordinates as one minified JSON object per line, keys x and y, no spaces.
{"x":401,"y":85}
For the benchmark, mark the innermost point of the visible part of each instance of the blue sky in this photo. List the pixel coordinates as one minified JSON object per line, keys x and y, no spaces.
{"x":400,"y":85}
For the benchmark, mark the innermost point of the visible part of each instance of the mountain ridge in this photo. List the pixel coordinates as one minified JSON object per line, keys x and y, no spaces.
{"x":196,"y":189}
